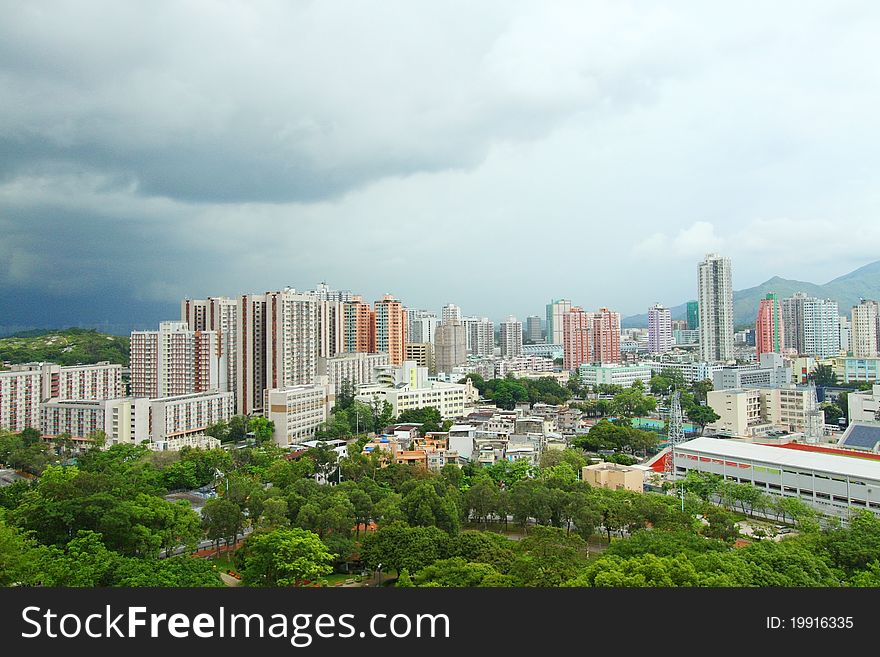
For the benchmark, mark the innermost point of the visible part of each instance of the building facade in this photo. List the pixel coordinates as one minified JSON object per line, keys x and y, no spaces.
{"x":715,"y":303}
{"x":555,"y":310}
{"x":769,"y":327}
{"x":659,"y":329}
{"x":865,"y":329}
{"x":298,"y":411}
{"x":605,"y":336}
{"x":390,"y":329}
{"x":450,"y":346}
{"x":576,"y":338}
{"x":510,"y":337}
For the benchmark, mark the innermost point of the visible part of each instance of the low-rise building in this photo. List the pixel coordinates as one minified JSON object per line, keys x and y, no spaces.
{"x":619,"y":375}
{"x":831,"y":483}
{"x":748,"y":412}
{"x":614,"y":476}
{"x":298,"y":411}
{"x":357,"y":368}
{"x":771,"y":372}
{"x":864,"y":406}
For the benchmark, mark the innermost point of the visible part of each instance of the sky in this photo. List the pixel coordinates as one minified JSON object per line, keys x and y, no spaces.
{"x":489,"y":154}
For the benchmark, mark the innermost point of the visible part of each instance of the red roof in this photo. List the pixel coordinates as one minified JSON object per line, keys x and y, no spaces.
{"x":829,"y":450}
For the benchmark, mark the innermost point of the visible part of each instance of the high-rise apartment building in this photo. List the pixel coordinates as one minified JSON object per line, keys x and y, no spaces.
{"x":291,"y":339}
{"x":357,"y":326}
{"x":812,"y":326}
{"x":845,"y":333}
{"x":480,"y":332}
{"x":250,"y":367}
{"x":605,"y":336}
{"x":422,"y":354}
{"x":331,"y":327}
{"x":216,"y":314}
{"x":555,"y":310}
{"x":693,"y":315}
{"x":865,"y":329}
{"x":715,"y":302}
{"x":533,"y":329}
{"x":20,"y":394}
{"x":510,"y":337}
{"x":576,"y":343}
{"x":659,"y":329}
{"x":420,"y":325}
{"x":450,"y":313}
{"x":175,"y":361}
{"x":390,"y":329}
{"x":450,"y":346}
{"x":769,"y":326}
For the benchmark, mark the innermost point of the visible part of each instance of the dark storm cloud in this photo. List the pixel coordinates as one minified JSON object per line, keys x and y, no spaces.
{"x":488,"y":154}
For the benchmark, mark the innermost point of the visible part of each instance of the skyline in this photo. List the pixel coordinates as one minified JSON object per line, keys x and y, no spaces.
{"x":445,"y":155}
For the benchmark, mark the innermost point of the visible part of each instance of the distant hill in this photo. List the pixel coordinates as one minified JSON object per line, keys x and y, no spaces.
{"x":846,"y":290}
{"x":67,"y":347}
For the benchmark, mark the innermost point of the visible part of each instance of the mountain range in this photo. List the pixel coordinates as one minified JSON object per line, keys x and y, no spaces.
{"x":846,"y":290}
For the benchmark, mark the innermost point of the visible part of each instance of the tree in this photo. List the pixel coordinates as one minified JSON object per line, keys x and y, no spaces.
{"x":429,"y":417}
{"x":832,"y":413}
{"x":221,"y":519}
{"x":324,"y":457}
{"x":238,"y":427}
{"x":458,"y":573}
{"x":548,"y":556}
{"x":399,"y":546}
{"x":274,"y":513}
{"x":823,"y":376}
{"x":282,"y":557}
{"x":263,"y":429}
{"x":701,"y":390}
{"x":702,"y":415}
{"x":346,"y":394}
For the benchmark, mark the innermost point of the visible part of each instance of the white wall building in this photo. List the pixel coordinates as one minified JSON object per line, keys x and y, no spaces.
{"x":20,"y":394}
{"x":865,"y":323}
{"x":830,"y":483}
{"x":659,"y":329}
{"x":358,"y":368}
{"x":480,"y":336}
{"x":715,"y":297}
{"x":510,"y":338}
{"x":298,"y":411}
{"x":619,"y":375}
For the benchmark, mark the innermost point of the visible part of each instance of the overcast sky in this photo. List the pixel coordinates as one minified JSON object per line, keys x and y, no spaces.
{"x":490,"y":154}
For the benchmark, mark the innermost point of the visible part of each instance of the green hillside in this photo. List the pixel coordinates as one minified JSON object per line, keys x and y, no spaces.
{"x":71,"y":346}
{"x":846,"y":290}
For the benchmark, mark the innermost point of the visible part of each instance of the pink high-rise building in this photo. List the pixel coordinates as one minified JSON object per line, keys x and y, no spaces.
{"x":769,"y":327}
{"x":576,"y":338}
{"x":605,"y":335}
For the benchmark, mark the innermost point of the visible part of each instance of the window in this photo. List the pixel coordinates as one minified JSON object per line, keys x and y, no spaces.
{"x":823,"y":496}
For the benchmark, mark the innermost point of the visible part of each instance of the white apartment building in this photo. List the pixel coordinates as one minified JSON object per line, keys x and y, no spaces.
{"x":411,"y":389}
{"x":420,"y":326}
{"x":133,"y":420}
{"x":690,"y":370}
{"x":217,"y":314}
{"x":865,"y":319}
{"x":298,"y":411}
{"x":291,"y":339}
{"x":99,"y":381}
{"x":20,"y":394}
{"x":772,"y":371}
{"x":811,"y":325}
{"x":749,"y":412}
{"x":125,"y":420}
{"x":450,"y":313}
{"x":480,"y":335}
{"x":659,"y":329}
{"x":250,"y":356}
{"x":505,"y":366}
{"x":171,"y":417}
{"x":619,"y":375}
{"x":175,"y":361}
{"x":510,"y":337}
{"x":715,"y":298}
{"x":555,"y":310}
{"x":358,"y":368}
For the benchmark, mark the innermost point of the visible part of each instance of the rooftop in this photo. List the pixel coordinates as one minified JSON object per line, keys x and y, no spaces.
{"x":831,"y":463}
